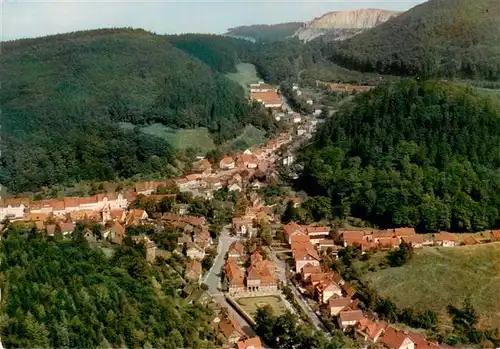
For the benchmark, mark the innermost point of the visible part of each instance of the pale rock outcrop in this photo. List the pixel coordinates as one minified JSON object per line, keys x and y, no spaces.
{"x":341,"y":25}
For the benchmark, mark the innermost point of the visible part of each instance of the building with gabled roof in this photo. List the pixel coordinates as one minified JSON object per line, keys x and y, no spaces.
{"x":394,"y":339}
{"x":234,"y":277}
{"x":250,"y":343}
{"x":227,"y":163}
{"x":236,"y":250}
{"x":369,"y":330}
{"x":303,"y":256}
{"x":337,"y":304}
{"x":194,"y":251}
{"x":230,"y":331}
{"x":292,"y":229}
{"x":349,"y":318}
{"x":193,"y":270}
{"x":445,"y":239}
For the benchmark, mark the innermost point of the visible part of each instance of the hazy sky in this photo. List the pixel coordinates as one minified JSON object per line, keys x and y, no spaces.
{"x":22,"y":19}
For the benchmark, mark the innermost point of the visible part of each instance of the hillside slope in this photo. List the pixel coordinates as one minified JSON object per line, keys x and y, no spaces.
{"x":62,"y":97}
{"x":340,"y":25}
{"x":264,"y":32}
{"x":425,"y":155}
{"x":439,"y":37}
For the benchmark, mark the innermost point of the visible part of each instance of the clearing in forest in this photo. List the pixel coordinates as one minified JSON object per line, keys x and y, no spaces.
{"x":246,"y":75}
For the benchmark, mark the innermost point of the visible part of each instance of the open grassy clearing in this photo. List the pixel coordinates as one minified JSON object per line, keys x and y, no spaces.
{"x":251,"y":136}
{"x":179,"y":139}
{"x":251,"y":304}
{"x":246,"y":75}
{"x":437,"y":277}
{"x":182,"y":138}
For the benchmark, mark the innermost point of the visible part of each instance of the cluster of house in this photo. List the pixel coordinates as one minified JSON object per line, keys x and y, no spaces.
{"x":206,"y":179}
{"x":339,"y":300}
{"x":258,"y":277}
{"x":265,"y":94}
{"x":227,"y":330}
{"x":337,"y":296}
{"x":194,"y":241}
{"x":306,"y":242}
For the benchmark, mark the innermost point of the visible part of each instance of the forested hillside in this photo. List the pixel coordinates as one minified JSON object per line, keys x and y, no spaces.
{"x":449,"y":38}
{"x":67,"y":295}
{"x":63,"y":95}
{"x":263,"y":32}
{"x":424,"y":154}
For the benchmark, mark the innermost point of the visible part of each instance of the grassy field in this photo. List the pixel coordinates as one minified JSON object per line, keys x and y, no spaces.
{"x":437,"y":277}
{"x":251,"y":304}
{"x":251,"y":136}
{"x":179,"y":139}
{"x":245,"y":76}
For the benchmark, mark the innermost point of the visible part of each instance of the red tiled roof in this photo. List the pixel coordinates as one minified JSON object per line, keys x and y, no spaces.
{"x":194,"y":221}
{"x":194,"y":266}
{"x":306,"y":252}
{"x":392,"y":338}
{"x":270,"y":97}
{"x":310,"y":269}
{"x":317,"y":229}
{"x":15,"y":202}
{"x":404,"y":231}
{"x":495,"y":234}
{"x":253,"y":342}
{"x":292,"y":228}
{"x":351,"y":315}
{"x":226,"y":161}
{"x":338,"y":302}
{"x":236,"y":247}
{"x":67,"y":227}
{"x":233,"y":273}
{"x":353,"y":234}
{"x":445,"y":236}
{"x":413,"y":239}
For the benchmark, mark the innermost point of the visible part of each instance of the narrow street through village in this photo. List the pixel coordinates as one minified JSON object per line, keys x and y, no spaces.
{"x":213,"y":281}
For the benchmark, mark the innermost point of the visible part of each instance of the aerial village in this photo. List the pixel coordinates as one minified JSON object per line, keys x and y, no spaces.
{"x":287,"y":273}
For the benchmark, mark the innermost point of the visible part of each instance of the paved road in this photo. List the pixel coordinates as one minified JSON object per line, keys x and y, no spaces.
{"x":213,"y":280}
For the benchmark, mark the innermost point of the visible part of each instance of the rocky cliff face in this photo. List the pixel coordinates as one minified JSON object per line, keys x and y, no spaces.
{"x":341,"y":25}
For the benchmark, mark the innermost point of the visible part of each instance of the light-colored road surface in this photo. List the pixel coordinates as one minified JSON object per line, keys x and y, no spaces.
{"x":213,"y":280}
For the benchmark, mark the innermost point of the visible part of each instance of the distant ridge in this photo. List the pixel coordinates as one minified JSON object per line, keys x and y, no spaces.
{"x":265,"y":32}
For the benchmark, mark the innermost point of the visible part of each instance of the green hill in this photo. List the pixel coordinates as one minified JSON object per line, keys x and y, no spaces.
{"x":64,"y":95}
{"x":425,"y":155}
{"x":66,"y":294}
{"x":450,"y":38}
{"x":264,"y":32}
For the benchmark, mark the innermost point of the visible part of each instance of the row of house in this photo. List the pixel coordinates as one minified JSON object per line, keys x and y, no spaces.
{"x":391,"y":238}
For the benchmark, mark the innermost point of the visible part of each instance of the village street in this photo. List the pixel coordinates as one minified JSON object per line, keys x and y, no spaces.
{"x":213,"y":280}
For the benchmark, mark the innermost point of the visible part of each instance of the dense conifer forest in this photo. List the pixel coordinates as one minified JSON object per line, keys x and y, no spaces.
{"x":421,"y":154}
{"x":63,"y":98}
{"x":65,"y":294}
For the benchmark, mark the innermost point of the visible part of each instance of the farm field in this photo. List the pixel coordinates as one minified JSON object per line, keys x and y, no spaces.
{"x":437,"y":277}
{"x":251,"y":304}
{"x":246,"y":75}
